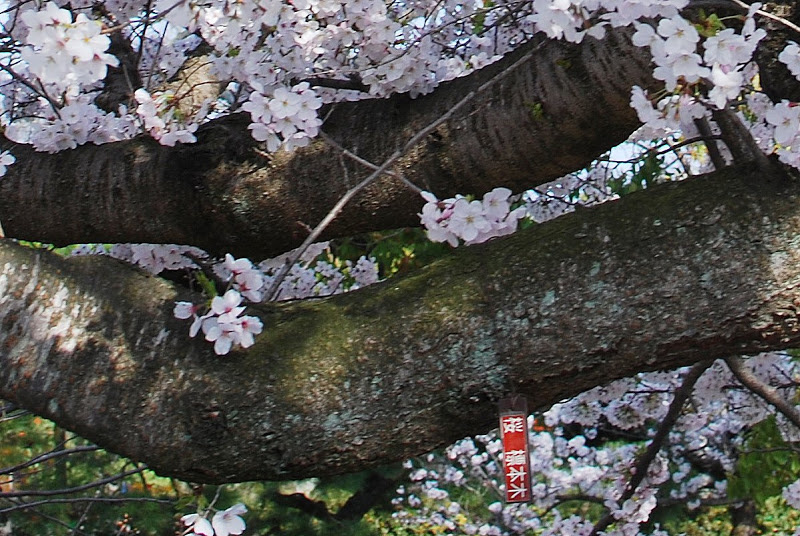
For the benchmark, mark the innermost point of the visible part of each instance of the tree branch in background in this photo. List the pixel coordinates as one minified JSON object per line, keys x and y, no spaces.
{"x":768,"y":393}
{"x":642,"y":465}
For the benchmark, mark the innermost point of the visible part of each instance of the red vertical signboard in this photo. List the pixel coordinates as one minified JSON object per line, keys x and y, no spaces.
{"x":514,"y":433}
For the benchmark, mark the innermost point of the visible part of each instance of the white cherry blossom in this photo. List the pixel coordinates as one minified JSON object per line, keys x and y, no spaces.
{"x":785,"y":116}
{"x":198,"y":524}
{"x":790,"y":56}
{"x":228,"y":522}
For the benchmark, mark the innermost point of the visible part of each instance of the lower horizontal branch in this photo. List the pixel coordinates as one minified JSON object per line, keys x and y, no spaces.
{"x":664,"y":278}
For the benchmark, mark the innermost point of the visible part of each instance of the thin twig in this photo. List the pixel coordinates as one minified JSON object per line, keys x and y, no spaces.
{"x":713,"y":151}
{"x":655,"y":151}
{"x":768,"y":15}
{"x":14,"y":416}
{"x":8,"y":407}
{"x":41,"y":92}
{"x":65,"y":491}
{"x":647,"y":457}
{"x":110,"y":500}
{"x":337,"y":208}
{"x":82,"y":518}
{"x":47,"y":456}
{"x":710,"y":4}
{"x":51,"y":518}
{"x":366,"y":163}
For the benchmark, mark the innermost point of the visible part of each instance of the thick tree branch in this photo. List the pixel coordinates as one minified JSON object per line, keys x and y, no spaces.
{"x":219,"y":194}
{"x":665,"y":278}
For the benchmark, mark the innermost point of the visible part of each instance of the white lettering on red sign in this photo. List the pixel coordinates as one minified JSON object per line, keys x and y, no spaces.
{"x":514,"y":433}
{"x":513,"y":424}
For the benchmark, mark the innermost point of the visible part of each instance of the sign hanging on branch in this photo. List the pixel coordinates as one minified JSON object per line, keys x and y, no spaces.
{"x":516,"y":458}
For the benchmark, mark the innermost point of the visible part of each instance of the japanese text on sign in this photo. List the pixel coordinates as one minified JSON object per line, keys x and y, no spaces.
{"x":514,"y":432}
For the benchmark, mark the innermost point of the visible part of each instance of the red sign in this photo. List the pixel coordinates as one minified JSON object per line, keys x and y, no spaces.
{"x":514,"y":433}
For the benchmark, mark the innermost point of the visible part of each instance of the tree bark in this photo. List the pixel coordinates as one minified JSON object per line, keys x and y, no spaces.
{"x":663,"y":278}
{"x":538,"y":123}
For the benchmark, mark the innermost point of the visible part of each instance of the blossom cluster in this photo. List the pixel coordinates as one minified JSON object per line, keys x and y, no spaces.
{"x":226,"y":522}
{"x":458,"y":218}
{"x":287,"y":117}
{"x":222,"y":323}
{"x":673,"y":45}
{"x":61,"y":51}
{"x":77,"y":122}
{"x":246,"y":279}
{"x":161,"y":120}
{"x":154,"y":258}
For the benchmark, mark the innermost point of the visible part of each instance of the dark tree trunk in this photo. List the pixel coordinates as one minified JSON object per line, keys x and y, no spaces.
{"x":743,"y":517}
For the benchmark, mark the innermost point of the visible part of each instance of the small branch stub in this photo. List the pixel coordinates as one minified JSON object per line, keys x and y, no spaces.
{"x":516,"y":456}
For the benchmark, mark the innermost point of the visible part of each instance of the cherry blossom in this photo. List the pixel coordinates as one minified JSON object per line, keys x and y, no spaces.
{"x":229,"y":521}
{"x":727,"y":85}
{"x":785,"y":116}
{"x":198,"y":524}
{"x":224,"y":331}
{"x":248,"y":280}
{"x":679,"y":33}
{"x":160,"y":119}
{"x":471,"y":221}
{"x":63,"y":52}
{"x":226,"y":522}
{"x":790,"y":56}
{"x":467,"y":219}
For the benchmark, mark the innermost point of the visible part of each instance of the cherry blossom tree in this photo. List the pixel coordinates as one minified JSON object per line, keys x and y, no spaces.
{"x":253,"y":128}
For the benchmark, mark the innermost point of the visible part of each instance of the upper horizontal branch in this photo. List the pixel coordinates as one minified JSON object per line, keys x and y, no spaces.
{"x":668,"y":277}
{"x":553,"y":115}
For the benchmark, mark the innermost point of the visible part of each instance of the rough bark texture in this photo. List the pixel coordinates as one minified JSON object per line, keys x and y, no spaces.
{"x":667,"y":277}
{"x":221,"y":195}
